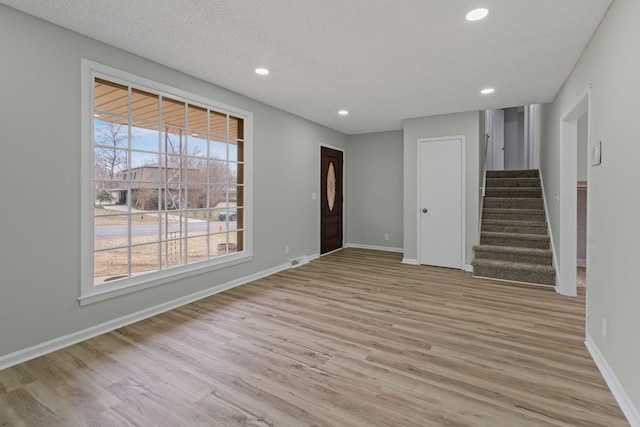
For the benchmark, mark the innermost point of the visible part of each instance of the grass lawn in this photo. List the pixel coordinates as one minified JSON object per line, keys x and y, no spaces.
{"x":112,"y":218}
{"x":113,"y":263}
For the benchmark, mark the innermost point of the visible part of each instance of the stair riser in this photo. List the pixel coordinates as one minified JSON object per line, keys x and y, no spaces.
{"x":514,"y":230}
{"x":513,"y":192}
{"x":532,"y":173}
{"x":542,"y":278}
{"x":541,"y":229}
{"x":515,"y":241}
{"x":513,"y":257}
{"x":513,"y":182}
{"x":511,"y":216}
{"x":519,"y":203}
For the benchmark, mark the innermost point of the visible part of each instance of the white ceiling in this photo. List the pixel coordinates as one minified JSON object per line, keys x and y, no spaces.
{"x":383,"y":60}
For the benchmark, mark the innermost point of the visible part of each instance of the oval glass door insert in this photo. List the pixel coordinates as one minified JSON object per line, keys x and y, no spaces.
{"x":331,"y":186}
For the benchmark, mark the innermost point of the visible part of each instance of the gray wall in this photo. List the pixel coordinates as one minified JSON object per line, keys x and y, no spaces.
{"x":513,"y":139}
{"x":611,"y":65}
{"x":538,"y":134}
{"x":40,"y":176}
{"x":467,"y":124}
{"x":374,"y":190}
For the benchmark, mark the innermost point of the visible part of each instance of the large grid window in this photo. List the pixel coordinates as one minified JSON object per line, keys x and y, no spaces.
{"x":168,"y":182}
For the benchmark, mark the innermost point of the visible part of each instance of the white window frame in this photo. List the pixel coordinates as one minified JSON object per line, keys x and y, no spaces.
{"x":90,"y":293}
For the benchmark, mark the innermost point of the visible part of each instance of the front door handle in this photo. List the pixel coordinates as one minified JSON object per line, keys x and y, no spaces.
{"x":424,"y":210}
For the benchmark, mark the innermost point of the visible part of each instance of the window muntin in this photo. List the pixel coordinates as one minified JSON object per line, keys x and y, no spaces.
{"x":167,"y":174}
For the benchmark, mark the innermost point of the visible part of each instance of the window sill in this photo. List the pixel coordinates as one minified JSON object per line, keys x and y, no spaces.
{"x":150,"y":280}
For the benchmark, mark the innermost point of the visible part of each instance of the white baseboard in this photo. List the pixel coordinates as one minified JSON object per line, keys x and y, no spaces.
{"x":410,"y":261}
{"x":46,"y":347}
{"x":618,"y":391}
{"x":374,"y":248}
{"x":302,"y":260}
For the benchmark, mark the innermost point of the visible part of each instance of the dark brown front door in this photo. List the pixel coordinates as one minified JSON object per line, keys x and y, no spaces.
{"x":330,"y":200}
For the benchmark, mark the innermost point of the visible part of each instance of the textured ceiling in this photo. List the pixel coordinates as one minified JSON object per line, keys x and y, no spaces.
{"x":383,"y":60}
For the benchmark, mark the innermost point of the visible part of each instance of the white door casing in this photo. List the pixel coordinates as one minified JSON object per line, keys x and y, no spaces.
{"x":528,"y":136}
{"x":441,"y":228}
{"x":568,"y":195}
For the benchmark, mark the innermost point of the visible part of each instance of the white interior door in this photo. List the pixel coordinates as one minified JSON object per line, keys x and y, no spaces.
{"x":497,"y":152}
{"x":441,"y":183}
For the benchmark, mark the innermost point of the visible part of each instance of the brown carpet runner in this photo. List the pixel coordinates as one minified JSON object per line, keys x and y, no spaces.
{"x":514,"y":243}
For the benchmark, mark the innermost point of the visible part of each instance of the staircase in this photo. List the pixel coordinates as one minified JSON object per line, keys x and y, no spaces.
{"x":514,"y":243}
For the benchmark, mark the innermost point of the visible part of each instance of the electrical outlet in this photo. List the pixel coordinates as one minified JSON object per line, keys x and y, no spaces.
{"x":386,"y":236}
{"x":557,"y":198}
{"x":604,"y":328}
{"x":286,"y":249}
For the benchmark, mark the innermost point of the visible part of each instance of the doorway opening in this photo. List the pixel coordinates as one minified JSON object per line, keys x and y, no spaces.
{"x":510,"y":134}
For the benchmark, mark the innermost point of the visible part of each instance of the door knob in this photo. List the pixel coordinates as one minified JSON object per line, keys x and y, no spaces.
{"x":424,"y":210}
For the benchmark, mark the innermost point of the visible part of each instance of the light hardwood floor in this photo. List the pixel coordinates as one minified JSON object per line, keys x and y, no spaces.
{"x":353,"y":339}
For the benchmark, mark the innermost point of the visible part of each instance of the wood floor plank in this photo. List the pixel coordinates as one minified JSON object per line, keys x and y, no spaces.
{"x":355,"y":338}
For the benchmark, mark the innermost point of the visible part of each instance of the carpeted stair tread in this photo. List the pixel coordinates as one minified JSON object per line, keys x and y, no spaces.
{"x":493,"y":248}
{"x":514,"y":222}
{"x":514,"y":210}
{"x":514,"y":241}
{"x":513,"y":182}
{"x":514,"y":254}
{"x":511,"y":226}
{"x":514,"y":214}
{"x":537,"y":241}
{"x":514,"y":192}
{"x":519,"y":235}
{"x":515,"y":271}
{"x":514,"y":202}
{"x":527,"y":173}
{"x":514,"y":265}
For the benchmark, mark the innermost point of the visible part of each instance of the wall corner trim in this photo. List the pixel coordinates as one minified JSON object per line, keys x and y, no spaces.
{"x":409,"y":261}
{"x":618,"y":391}
{"x":20,"y":356}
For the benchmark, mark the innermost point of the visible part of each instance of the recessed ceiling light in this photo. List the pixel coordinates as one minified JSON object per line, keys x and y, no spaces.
{"x":477,"y":14}
{"x":487,"y":91}
{"x":343,"y":112}
{"x":262,"y":71}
